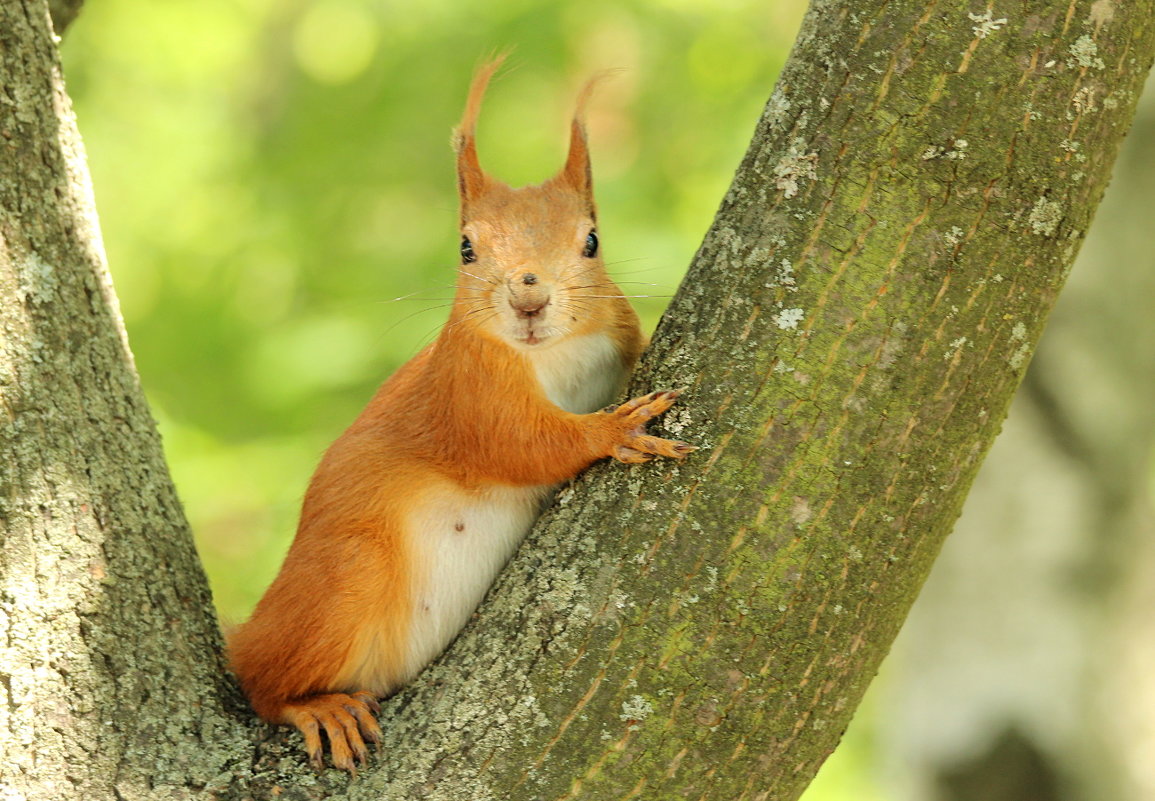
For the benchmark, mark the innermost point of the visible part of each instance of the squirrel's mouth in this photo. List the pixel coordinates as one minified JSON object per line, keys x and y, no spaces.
{"x":530,"y":334}
{"x":532,"y":337}
{"x":530,"y":324}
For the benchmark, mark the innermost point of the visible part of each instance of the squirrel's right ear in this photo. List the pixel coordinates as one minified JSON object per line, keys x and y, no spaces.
{"x":471,"y":179}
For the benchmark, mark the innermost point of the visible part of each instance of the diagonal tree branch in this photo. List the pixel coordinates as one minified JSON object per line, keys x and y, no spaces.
{"x":110,"y":649}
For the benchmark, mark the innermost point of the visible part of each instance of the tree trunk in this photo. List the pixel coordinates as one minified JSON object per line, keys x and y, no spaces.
{"x":110,"y":664}
{"x":851,"y":332}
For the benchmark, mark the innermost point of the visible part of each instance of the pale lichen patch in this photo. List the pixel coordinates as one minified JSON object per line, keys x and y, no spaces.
{"x":1084,"y":100}
{"x":954,"y":347}
{"x":38,"y":280}
{"x":955,"y":150}
{"x":800,"y":511}
{"x":986,"y":24}
{"x":788,"y":319}
{"x":1102,"y":12}
{"x":635,"y":709}
{"x":1019,"y":335}
{"x":785,"y":276}
{"x":1085,"y":53}
{"x":776,"y":109}
{"x":678,"y":420}
{"x":1045,"y":216}
{"x":794,"y":167}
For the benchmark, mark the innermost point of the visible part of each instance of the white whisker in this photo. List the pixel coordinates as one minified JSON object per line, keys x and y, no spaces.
{"x":478,"y":277}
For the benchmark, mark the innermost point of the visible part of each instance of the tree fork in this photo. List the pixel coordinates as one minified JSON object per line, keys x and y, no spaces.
{"x":851,"y":332}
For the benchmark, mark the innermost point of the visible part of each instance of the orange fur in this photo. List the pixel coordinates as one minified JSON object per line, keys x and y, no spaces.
{"x":454,"y":452}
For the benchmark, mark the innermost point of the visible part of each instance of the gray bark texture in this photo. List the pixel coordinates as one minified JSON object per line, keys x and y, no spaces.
{"x":850,"y":333}
{"x":111,"y":676}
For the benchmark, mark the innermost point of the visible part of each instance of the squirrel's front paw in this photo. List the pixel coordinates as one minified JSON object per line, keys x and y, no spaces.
{"x":635,"y":445}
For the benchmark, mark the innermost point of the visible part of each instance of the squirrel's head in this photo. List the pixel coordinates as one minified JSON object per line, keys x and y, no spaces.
{"x":531,"y":265}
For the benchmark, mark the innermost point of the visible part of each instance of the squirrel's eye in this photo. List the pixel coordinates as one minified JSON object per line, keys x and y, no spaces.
{"x":467,"y":254}
{"x":591,"y":247}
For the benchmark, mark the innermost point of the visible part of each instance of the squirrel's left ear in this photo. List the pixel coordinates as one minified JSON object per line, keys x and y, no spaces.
{"x":576,"y":172}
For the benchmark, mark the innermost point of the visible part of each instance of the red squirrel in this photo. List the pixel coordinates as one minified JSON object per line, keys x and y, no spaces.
{"x":421,"y":501}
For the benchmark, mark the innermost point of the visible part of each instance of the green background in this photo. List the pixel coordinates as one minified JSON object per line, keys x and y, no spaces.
{"x":277,"y":195}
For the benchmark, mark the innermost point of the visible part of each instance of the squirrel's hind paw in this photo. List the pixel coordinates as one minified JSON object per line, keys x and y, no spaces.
{"x":348,"y":722}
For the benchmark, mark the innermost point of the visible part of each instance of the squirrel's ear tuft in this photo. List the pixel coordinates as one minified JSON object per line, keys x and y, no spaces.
{"x":576,"y":172}
{"x":471,"y":179}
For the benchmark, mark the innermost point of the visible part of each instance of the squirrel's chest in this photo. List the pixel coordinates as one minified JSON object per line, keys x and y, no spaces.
{"x":581,"y":374}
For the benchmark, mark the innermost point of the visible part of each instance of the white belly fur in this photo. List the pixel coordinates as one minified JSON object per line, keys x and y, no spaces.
{"x":462,"y":539}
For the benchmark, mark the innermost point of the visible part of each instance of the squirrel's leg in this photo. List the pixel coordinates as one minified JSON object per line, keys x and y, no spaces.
{"x":558,"y":445}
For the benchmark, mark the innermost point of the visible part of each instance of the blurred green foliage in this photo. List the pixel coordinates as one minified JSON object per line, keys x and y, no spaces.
{"x":277,"y":195}
{"x":272,"y":174}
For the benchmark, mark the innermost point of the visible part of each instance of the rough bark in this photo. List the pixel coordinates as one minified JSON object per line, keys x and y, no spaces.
{"x":851,"y":331}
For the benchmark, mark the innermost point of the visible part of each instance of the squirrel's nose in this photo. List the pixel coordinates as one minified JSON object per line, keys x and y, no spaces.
{"x":528,"y":295}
